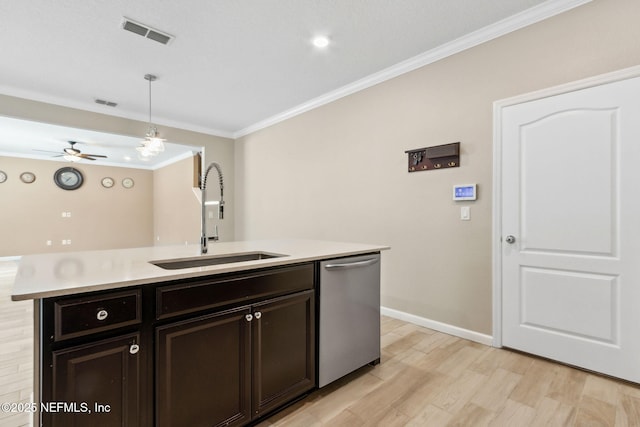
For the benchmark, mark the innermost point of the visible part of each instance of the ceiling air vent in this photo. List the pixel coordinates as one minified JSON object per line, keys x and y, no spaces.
{"x":146,"y":31}
{"x":107,"y":103}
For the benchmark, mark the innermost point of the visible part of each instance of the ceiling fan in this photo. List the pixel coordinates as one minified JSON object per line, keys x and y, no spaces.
{"x":73,"y":154}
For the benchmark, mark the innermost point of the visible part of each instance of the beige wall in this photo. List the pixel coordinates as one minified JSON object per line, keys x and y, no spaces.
{"x":101,"y":218}
{"x":176,"y":209}
{"x":160,"y":209}
{"x":216,"y":148}
{"x":340,"y":172}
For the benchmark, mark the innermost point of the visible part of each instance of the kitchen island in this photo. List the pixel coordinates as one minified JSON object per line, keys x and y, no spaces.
{"x":166,"y":336}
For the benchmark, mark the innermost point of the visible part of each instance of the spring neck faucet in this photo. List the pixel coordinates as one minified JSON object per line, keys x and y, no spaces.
{"x":204,"y":239}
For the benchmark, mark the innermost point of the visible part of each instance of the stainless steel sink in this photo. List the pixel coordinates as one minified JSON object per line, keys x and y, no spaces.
{"x":177,"y":264}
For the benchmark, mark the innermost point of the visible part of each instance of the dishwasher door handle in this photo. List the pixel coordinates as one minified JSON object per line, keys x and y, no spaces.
{"x":356,"y":264}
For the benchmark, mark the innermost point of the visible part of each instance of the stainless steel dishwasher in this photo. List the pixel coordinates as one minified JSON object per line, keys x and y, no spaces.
{"x":349,"y":316}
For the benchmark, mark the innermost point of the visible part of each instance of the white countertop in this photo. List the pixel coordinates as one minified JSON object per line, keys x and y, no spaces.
{"x":67,"y":273}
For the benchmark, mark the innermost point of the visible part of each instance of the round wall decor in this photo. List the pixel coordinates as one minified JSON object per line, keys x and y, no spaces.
{"x":68,"y":178}
{"x":27,"y":177}
{"x":127,"y":183}
{"x":107,"y":182}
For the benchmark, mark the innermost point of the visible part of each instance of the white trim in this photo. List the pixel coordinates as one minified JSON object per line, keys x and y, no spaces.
{"x":613,"y":76}
{"x":498,"y":106}
{"x":528,"y":17}
{"x":437,"y":326}
{"x":109,"y":111}
{"x":496,"y":225}
{"x":176,"y":159}
{"x":99,"y":162}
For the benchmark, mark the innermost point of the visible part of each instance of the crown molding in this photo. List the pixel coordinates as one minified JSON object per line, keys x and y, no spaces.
{"x":108,"y":111}
{"x":523,"y":19}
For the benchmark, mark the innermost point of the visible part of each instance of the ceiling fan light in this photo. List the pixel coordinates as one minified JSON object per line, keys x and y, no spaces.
{"x":71,"y":158}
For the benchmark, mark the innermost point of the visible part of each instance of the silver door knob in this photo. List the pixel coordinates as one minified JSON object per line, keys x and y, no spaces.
{"x":257,"y":314}
{"x":134,"y":348}
{"x":249,"y":317}
{"x":102,"y":314}
{"x":510,"y":239}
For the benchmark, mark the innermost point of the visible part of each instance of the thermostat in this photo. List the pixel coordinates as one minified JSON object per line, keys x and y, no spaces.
{"x":464,"y":192}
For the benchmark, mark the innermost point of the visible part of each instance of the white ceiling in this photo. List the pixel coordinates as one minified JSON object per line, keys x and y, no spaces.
{"x":233,"y":63}
{"x":27,"y":139}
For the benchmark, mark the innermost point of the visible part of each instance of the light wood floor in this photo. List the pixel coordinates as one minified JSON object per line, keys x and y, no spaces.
{"x":16,"y":348}
{"x":426,"y":378}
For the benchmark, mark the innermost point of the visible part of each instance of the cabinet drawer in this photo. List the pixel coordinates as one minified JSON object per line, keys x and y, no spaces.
{"x":210,"y":293}
{"x":87,"y":315}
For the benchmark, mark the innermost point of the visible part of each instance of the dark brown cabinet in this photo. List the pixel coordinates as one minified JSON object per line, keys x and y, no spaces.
{"x":203,"y":369}
{"x":283,"y":348}
{"x":206,"y":351}
{"x":97,"y":384}
{"x":228,"y":368}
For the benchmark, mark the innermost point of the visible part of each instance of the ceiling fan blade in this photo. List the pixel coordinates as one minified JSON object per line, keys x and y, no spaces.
{"x":46,"y":151}
{"x":71,"y":151}
{"x":86,"y":156}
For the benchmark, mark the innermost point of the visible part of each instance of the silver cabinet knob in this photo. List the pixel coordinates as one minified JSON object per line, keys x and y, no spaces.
{"x":257,"y":314}
{"x":102,"y":314}
{"x":249,"y":317}
{"x":510,"y":239}
{"x":134,"y":348}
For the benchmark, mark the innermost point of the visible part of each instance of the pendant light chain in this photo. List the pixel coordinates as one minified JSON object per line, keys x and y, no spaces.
{"x":149,"y":101}
{"x":150,"y":78}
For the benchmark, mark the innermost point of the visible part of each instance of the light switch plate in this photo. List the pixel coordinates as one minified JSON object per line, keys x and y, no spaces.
{"x":465,"y":213}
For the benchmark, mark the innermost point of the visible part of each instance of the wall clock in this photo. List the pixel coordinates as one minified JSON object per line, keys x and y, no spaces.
{"x":107,"y":182}
{"x":27,"y":177}
{"x":127,"y":182}
{"x":68,"y":178}
{"x":3,"y":176}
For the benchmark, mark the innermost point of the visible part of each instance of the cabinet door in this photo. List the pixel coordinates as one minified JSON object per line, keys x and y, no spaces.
{"x":96,"y":385}
{"x":283,"y":338}
{"x":203,"y":371}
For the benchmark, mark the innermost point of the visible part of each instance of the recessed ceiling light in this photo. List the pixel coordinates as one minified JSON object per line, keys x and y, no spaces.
{"x":320,"y":41}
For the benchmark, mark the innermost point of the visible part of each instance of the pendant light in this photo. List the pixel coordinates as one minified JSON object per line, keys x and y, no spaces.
{"x":152,"y":145}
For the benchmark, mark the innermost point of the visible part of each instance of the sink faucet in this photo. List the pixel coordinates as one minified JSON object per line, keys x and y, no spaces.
{"x":204,"y":239}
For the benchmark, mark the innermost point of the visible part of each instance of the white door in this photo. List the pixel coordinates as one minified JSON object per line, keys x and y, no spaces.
{"x":571,"y":210}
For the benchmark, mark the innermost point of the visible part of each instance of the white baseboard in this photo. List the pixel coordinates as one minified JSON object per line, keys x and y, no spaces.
{"x":438,"y":326}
